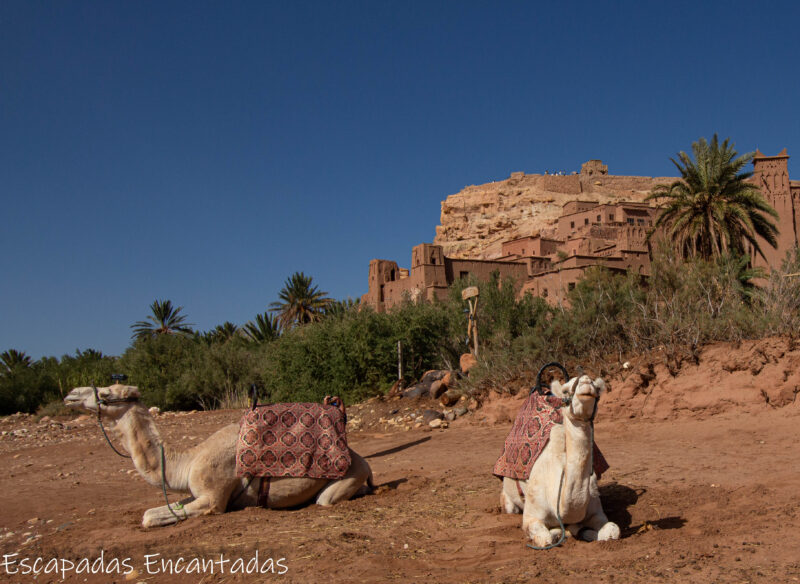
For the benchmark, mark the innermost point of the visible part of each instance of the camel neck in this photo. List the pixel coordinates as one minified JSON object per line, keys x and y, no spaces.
{"x":578,"y":447}
{"x":141,"y":439}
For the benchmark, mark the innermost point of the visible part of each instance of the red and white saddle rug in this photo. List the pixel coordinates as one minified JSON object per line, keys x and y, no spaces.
{"x":293,"y":440}
{"x":529,"y":436}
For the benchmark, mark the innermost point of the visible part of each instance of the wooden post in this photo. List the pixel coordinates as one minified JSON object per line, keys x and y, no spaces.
{"x":475,"y":326}
{"x":472,"y":324}
{"x":399,"y":360}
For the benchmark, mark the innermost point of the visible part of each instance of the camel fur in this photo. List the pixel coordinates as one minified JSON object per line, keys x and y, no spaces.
{"x":207,"y":471}
{"x":569,"y":452}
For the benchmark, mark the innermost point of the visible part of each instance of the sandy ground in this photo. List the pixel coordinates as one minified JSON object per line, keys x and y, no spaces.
{"x":699,"y":497}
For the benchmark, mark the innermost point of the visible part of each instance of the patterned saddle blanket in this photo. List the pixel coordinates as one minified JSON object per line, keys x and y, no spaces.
{"x":293,"y":440}
{"x":529,"y":436}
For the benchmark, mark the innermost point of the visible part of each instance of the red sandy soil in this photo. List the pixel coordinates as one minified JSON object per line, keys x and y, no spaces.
{"x":703,"y":484}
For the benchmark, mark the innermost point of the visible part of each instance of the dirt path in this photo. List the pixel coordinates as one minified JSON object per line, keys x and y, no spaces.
{"x":697,"y":500}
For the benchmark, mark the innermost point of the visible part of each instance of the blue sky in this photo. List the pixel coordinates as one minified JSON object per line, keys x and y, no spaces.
{"x":202,"y":152}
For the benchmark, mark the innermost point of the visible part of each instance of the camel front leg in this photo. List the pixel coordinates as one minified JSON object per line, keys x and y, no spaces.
{"x":534,"y":526}
{"x":597,"y":527}
{"x":186,"y":508}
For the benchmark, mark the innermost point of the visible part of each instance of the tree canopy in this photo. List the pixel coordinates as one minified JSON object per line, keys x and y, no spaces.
{"x":713,"y":209}
{"x":164,"y":320}
{"x":300,"y":302}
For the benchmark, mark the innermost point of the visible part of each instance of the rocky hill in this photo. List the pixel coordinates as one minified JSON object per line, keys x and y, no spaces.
{"x":476,"y":221}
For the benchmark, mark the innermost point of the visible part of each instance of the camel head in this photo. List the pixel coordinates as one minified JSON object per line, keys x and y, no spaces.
{"x":580,"y":394}
{"x":115,"y":400}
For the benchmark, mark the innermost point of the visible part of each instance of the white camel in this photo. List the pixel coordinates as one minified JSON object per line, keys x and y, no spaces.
{"x":207,"y":471}
{"x":565,"y":466}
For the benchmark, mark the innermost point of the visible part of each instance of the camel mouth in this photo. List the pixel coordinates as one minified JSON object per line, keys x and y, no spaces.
{"x":73,"y":401}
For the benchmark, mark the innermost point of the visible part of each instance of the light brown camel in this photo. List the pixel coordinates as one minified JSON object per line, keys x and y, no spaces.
{"x":566,"y":461}
{"x":207,"y":471}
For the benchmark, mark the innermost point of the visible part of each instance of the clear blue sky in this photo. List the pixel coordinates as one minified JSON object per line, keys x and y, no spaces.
{"x":202,"y":152}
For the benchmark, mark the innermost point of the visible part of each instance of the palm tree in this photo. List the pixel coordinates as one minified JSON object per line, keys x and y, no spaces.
{"x":221,"y":333}
{"x":13,"y":359}
{"x":339,"y":308}
{"x":301,"y":302}
{"x":712,"y":208}
{"x":267,"y":327}
{"x":165,"y":320}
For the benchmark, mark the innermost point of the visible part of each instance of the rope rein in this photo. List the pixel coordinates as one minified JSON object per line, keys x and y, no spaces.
{"x":178,"y":506}
{"x":105,"y":402}
{"x":560,"y":522}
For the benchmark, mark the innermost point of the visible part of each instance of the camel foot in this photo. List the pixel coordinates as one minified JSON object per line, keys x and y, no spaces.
{"x":540,"y":535}
{"x":162,"y":516}
{"x":608,"y":531}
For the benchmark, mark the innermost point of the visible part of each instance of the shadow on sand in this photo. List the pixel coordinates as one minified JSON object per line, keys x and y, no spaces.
{"x":398,"y":448}
{"x":617,"y":499}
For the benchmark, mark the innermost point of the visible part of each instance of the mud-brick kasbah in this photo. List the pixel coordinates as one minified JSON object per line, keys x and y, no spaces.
{"x":546,"y":230}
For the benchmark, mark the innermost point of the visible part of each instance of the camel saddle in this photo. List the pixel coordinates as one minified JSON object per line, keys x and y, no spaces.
{"x":529,"y":436}
{"x":293,"y":440}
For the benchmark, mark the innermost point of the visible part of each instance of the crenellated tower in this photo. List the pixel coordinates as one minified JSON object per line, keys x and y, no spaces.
{"x":771,"y":175}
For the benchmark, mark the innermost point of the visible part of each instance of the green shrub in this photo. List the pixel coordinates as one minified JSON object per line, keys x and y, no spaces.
{"x":353,"y":351}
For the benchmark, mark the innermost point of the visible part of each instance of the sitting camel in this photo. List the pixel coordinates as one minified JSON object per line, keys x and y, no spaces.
{"x":564,"y":467}
{"x":207,"y":471}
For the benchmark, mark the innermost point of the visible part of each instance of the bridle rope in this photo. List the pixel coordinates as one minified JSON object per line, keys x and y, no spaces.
{"x":105,"y":402}
{"x":117,"y":400}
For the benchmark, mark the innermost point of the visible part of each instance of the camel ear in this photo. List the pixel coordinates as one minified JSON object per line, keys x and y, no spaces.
{"x":131,"y":391}
{"x":556,"y":388}
{"x":600,"y":385}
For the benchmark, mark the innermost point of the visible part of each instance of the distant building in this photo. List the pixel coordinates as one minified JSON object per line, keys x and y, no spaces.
{"x":587,"y":234}
{"x":771,"y":174}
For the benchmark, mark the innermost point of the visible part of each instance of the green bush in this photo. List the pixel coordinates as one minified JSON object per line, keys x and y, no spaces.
{"x":353,"y":351}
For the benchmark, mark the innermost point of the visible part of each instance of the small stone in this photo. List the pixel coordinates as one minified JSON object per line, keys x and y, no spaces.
{"x":414,"y":391}
{"x":430,"y":415}
{"x":460,"y":411}
{"x":449,"y":415}
{"x":33,"y":520}
{"x":435,"y":423}
{"x":154,"y":411}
